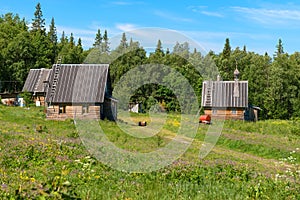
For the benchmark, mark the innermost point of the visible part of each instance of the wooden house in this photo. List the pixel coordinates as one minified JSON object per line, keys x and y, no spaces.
{"x":35,"y":84}
{"x":225,"y":99}
{"x":80,"y":91}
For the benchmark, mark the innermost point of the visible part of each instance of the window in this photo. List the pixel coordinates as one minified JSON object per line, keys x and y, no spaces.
{"x":214,"y":111}
{"x":85,"y":109}
{"x":62,"y":109}
{"x":233,"y":111}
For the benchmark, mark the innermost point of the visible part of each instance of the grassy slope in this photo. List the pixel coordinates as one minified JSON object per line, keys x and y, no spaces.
{"x":46,"y":159}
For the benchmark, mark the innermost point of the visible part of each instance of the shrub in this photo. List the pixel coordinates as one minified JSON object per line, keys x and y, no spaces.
{"x":27,"y":96}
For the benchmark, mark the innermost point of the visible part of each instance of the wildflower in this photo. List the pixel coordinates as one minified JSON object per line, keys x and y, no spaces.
{"x":66,"y":183}
{"x":65,"y":172}
{"x":32,"y":180}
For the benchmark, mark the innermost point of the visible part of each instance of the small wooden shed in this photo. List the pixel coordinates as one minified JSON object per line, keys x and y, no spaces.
{"x":225,"y":99}
{"x":35,"y":84}
{"x":81,"y":91}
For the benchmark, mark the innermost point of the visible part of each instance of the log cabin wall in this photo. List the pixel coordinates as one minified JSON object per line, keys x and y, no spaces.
{"x":62,"y":112}
{"x":236,"y":114}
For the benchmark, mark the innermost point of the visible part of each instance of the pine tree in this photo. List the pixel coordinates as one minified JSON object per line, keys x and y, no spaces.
{"x":279,"y":48}
{"x":244,"y":49}
{"x":167,"y":51}
{"x":53,"y":41}
{"x":79,"y":43}
{"x":52,"y":32}
{"x":122,"y":46}
{"x":225,"y":63}
{"x":105,"y":44}
{"x":40,"y":41}
{"x":38,"y":23}
{"x":159,"y":49}
{"x":124,"y":43}
{"x":227,"y":49}
{"x":98,"y":40}
{"x":72,"y":42}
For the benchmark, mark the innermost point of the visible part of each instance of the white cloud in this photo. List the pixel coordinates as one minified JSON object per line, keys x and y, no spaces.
{"x":212,"y":14}
{"x":121,"y":3}
{"x":215,"y":40}
{"x":69,"y":30}
{"x":126,"y":27}
{"x":270,"y":16}
{"x":203,"y":10}
{"x":87,"y":36}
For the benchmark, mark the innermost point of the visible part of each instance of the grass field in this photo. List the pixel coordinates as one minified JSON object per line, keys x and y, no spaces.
{"x":42,"y":159}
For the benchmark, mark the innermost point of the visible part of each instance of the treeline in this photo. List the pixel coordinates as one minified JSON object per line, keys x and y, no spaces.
{"x":274,"y":80}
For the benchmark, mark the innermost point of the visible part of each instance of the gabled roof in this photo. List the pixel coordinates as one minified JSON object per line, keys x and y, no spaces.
{"x":78,"y":83}
{"x":35,"y":80}
{"x":225,"y":94}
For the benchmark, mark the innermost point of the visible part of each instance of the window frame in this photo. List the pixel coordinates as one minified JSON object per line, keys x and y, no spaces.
{"x":85,"y":109}
{"x":61,"y":109}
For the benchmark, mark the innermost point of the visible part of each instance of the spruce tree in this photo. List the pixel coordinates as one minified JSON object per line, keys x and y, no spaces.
{"x":52,"y":35}
{"x":98,"y":40}
{"x":38,"y":23}
{"x":52,"y":32}
{"x":227,"y":49}
{"x":279,"y":48}
{"x":105,"y":43}
{"x":63,"y":38}
{"x":124,"y":43}
{"x":159,"y":49}
{"x":72,"y":42}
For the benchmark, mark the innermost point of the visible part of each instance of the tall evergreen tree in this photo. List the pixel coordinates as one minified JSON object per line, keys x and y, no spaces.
{"x":52,"y":35}
{"x":225,"y":63}
{"x":158,"y":55}
{"x":124,"y":43}
{"x":227,"y":49}
{"x":63,"y":38}
{"x":159,"y":49}
{"x":52,"y":32}
{"x":105,"y":44}
{"x":279,"y":48}
{"x":72,"y":42}
{"x":42,"y":53}
{"x":122,"y":46}
{"x":98,"y":39}
{"x":38,"y":23}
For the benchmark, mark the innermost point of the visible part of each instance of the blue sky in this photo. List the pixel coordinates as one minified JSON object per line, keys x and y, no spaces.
{"x":257,"y":24}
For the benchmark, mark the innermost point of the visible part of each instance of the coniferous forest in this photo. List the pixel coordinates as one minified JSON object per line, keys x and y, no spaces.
{"x":274,"y":80}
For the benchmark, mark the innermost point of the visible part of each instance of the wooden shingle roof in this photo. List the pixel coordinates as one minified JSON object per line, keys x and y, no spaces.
{"x":78,"y":83}
{"x":225,"y":94}
{"x":35,"y":80}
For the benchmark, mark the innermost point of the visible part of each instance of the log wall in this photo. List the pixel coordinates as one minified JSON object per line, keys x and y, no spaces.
{"x":73,"y":111}
{"x":226,"y":114}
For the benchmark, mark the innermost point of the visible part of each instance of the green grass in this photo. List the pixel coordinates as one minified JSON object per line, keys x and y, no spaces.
{"x":43,"y":159}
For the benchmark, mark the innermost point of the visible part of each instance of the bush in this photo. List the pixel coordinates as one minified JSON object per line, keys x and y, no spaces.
{"x":27,"y":96}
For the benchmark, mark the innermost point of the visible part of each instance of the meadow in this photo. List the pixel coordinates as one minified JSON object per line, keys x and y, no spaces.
{"x":43,"y":159}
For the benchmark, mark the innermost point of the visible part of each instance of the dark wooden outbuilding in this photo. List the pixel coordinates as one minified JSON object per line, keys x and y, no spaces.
{"x":35,"y":84}
{"x":81,"y":91}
